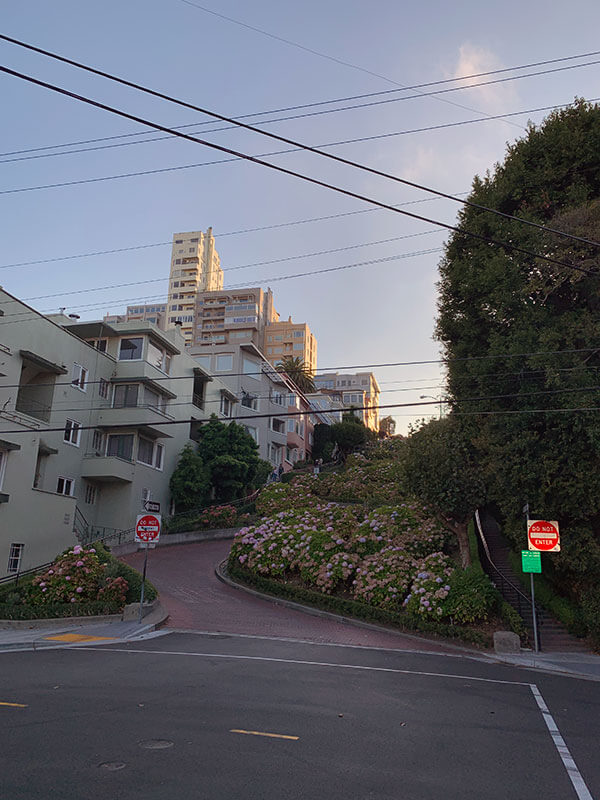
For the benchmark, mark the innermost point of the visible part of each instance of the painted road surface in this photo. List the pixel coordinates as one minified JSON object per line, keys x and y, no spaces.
{"x":188,"y":715}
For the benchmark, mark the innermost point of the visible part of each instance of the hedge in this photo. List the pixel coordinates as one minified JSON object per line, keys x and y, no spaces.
{"x":354,"y":608}
{"x":54,"y":610}
{"x":116,"y":568}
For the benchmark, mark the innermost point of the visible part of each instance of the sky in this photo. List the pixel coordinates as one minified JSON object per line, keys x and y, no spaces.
{"x":237,"y":59}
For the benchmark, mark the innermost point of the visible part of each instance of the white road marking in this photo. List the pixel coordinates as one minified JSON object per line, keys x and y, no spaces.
{"x":308,"y":663}
{"x":581,"y":789}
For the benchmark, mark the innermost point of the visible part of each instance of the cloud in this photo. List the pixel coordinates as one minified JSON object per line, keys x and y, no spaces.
{"x":495,"y":97}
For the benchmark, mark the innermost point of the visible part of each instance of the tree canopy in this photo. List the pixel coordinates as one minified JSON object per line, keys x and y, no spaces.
{"x":298,"y":371}
{"x":522,"y":335}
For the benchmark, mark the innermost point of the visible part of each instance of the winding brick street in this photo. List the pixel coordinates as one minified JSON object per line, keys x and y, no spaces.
{"x":197,"y":600}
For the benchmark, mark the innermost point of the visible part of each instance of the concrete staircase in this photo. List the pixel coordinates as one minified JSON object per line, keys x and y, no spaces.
{"x":553,"y":636}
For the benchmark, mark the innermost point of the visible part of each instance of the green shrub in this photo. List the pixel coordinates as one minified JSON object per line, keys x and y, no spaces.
{"x":471,"y":598}
{"x":118,"y":569}
{"x":590,"y":606}
{"x":58,"y":610}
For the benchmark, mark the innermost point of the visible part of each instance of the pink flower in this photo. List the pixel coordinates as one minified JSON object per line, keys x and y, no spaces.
{"x":42,"y":583}
{"x":79,"y":589}
{"x":77,"y":549}
{"x":67,"y":577}
{"x":79,"y":564}
{"x":72,"y":599}
{"x":45,"y":589}
{"x":50,"y":572}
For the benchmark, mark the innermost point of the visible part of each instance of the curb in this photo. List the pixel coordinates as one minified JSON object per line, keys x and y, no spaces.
{"x":172,"y":539}
{"x":221,"y":573}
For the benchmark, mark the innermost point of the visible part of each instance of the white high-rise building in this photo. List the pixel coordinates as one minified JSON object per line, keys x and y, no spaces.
{"x":195,"y":267}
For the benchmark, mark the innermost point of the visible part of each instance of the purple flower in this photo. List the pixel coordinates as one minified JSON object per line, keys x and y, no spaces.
{"x":67,"y":577}
{"x":79,"y":589}
{"x":79,"y":564}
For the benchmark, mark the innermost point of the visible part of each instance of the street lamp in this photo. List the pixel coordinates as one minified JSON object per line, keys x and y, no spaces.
{"x":439,"y":399}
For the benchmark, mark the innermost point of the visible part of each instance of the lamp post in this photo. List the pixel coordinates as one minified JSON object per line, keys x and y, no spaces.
{"x":439,"y":399}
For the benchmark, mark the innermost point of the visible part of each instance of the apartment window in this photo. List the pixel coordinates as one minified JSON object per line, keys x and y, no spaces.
{"x":80,"y":377}
{"x":292,"y":400}
{"x":224,"y":363}
{"x":278,"y":425}
{"x":120,"y":445}
{"x":175,"y":284}
{"x":98,"y":344}
{"x":65,"y":486}
{"x":364,"y":383}
{"x":288,"y":454}
{"x":225,"y":406}
{"x":178,"y":241}
{"x":125,"y":395}
{"x":156,"y":356}
{"x":90,"y":494}
{"x":193,"y":240}
{"x":14,"y":556}
{"x":204,"y":361}
{"x":192,"y":250}
{"x":253,"y":432}
{"x":250,"y":368}
{"x":155,"y":400}
{"x":103,"y":385}
{"x":270,"y":338}
{"x":72,"y":432}
{"x":178,"y":261}
{"x":249,"y":401}
{"x":278,"y":398}
{"x":146,"y":451}
{"x":98,"y":441}
{"x":131,"y":349}
{"x":298,"y":334}
{"x":291,"y":426}
{"x":298,"y":346}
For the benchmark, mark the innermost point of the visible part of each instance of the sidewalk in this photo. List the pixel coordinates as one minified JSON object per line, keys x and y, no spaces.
{"x":580,"y":665}
{"x":40,"y":636}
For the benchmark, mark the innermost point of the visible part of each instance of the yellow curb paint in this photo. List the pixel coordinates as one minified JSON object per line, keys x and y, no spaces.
{"x":14,"y":705}
{"x":260,"y":733}
{"x":78,"y":637}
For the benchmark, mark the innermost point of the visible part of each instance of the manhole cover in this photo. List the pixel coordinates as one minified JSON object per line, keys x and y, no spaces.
{"x":156,"y":744}
{"x":113,"y":766}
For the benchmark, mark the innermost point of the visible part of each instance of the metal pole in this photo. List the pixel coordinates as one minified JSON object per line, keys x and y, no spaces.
{"x":144,"y":581}
{"x":534,"y":616}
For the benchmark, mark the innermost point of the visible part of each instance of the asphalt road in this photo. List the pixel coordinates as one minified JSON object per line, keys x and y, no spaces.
{"x":369,"y":723}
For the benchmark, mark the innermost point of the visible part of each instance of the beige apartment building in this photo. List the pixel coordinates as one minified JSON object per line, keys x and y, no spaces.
{"x":92,"y":421}
{"x":148,"y":312}
{"x":233,"y":316}
{"x":195,"y":268}
{"x":287,"y":339}
{"x":360,"y":390}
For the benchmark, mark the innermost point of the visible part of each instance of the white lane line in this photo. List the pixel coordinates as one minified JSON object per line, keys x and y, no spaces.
{"x":307,"y":663}
{"x":583,"y":793}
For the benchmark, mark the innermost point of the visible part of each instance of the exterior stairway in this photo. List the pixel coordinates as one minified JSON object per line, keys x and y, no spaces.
{"x":553,"y":636}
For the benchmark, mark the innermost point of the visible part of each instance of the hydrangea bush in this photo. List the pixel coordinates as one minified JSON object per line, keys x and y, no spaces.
{"x":77,"y":576}
{"x":356,"y":535}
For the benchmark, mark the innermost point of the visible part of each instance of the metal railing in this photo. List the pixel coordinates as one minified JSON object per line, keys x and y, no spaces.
{"x":505,"y":586}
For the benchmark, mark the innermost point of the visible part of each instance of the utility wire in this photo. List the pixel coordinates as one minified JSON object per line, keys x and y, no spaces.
{"x":304,"y":48}
{"x":356,"y":367}
{"x":322,"y":102}
{"x":246,"y":126}
{"x":295,"y":174}
{"x":307,"y":412}
{"x":34,"y":153}
{"x":220,"y":235}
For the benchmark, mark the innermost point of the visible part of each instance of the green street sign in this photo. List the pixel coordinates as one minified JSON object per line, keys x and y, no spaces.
{"x":531,"y":561}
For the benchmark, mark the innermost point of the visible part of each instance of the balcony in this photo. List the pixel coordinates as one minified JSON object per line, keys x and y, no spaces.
{"x":141,"y":416}
{"x":107,"y":469}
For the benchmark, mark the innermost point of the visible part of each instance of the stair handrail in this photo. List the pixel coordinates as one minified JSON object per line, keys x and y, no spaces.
{"x":491,"y":563}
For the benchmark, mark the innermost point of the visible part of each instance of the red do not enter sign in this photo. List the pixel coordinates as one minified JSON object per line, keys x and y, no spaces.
{"x":543,"y":535}
{"x":147,"y":528}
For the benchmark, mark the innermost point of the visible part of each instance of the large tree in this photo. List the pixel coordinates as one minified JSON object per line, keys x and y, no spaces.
{"x":522,"y":335}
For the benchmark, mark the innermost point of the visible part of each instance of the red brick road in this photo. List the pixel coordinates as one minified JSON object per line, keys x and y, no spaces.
{"x":196,"y":600}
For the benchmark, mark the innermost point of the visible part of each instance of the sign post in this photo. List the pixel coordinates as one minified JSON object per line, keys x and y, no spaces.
{"x":147,"y":529}
{"x":531,"y":561}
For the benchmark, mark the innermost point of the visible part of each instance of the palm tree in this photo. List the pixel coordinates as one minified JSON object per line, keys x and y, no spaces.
{"x":298,"y":371}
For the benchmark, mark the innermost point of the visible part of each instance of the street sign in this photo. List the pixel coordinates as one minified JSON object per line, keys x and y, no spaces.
{"x":151,"y":505}
{"x":543,"y":535}
{"x":531,"y":561}
{"x":147,"y":528}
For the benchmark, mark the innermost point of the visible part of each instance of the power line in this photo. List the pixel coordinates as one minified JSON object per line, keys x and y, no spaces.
{"x":221,"y":235}
{"x":320,"y":103}
{"x":307,"y":412}
{"x":356,"y":367}
{"x":295,"y":174}
{"x":268,"y":134}
{"x":35,"y":154}
{"x":306,"y":49}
